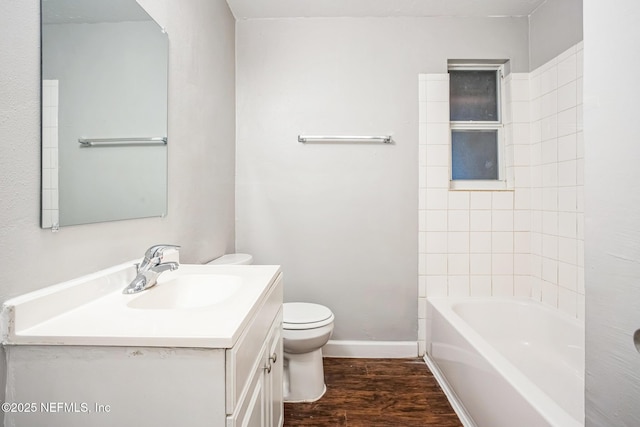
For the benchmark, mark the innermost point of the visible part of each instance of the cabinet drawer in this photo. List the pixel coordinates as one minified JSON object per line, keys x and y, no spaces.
{"x":240,"y":359}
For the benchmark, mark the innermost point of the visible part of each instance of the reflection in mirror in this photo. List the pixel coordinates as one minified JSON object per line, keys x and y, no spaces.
{"x":104,"y":112}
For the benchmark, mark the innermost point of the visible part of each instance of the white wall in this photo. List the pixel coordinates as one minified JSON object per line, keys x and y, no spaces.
{"x":201,"y":105}
{"x":342,"y":218}
{"x":612,"y":210}
{"x":554,"y":26}
{"x":201,"y":158}
{"x":112,"y":83}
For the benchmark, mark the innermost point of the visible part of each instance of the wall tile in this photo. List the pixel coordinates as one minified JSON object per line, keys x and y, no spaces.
{"x":437,"y":198}
{"x":527,"y":242}
{"x":568,"y":276}
{"x":481,"y":200}
{"x":567,"y":96}
{"x":567,"y":147}
{"x":521,"y":133}
{"x":549,"y":294}
{"x":437,"y":112}
{"x":522,"y":264}
{"x":437,"y":177}
{"x":568,"y":224}
{"x":458,"y":264}
{"x":502,"y":264}
{"x":567,"y":173}
{"x":522,"y":242}
{"x":435,"y":265}
{"x":502,"y":242}
{"x":459,"y":286}
{"x":549,"y":104}
{"x":550,"y":270}
{"x":568,"y":302}
{"x":458,"y":220}
{"x":548,"y":79}
{"x":480,"y":242}
{"x":568,"y":250}
{"x":502,"y":286}
{"x":458,"y":242}
{"x":550,"y":246}
{"x":437,"y":90}
{"x":436,"y":155}
{"x":436,"y":242}
{"x":522,"y":286}
{"x":436,"y":220}
{"x":459,"y":200}
{"x":522,"y":220}
{"x":480,"y":286}
{"x":437,"y":286}
{"x":437,"y":134}
{"x":502,"y":220}
{"x":567,"y":121}
{"x":502,"y":200}
{"x":480,"y":264}
{"x":567,"y":70}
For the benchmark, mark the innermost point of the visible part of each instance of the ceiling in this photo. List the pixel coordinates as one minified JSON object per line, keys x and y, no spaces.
{"x":258,"y":9}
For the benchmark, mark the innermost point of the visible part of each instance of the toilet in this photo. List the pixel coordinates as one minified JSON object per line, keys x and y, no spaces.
{"x":232,"y":259}
{"x":306,"y":328}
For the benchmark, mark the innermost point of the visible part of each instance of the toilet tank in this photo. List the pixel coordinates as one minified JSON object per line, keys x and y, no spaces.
{"x":232,"y":259}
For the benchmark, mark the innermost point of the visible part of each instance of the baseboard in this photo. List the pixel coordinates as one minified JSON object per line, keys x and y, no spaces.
{"x":457,"y":406}
{"x":371,"y":349}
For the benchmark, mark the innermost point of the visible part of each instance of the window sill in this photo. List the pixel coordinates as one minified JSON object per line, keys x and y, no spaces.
{"x":478,"y":185}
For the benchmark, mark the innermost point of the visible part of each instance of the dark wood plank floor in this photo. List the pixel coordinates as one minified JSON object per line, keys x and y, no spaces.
{"x":375,"y":392}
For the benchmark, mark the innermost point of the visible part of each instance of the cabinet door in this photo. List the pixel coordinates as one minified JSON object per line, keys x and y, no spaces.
{"x":252,"y":410}
{"x":275,"y":408}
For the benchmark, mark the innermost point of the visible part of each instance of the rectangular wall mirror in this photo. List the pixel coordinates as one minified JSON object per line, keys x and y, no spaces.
{"x":104,"y":112}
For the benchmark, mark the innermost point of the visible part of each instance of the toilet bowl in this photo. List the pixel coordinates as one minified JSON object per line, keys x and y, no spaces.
{"x":306,"y":328}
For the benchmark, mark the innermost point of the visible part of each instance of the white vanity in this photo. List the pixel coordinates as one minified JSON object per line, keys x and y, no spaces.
{"x":201,"y":348}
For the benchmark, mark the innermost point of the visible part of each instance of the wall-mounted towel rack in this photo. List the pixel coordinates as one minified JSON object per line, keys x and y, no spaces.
{"x":357,"y":138}
{"x":105,"y":142}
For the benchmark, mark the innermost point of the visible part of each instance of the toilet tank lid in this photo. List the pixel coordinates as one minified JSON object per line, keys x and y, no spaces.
{"x":232,"y":259}
{"x":304,"y":312}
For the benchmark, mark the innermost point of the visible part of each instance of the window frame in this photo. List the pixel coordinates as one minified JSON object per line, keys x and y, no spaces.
{"x":498,"y":125}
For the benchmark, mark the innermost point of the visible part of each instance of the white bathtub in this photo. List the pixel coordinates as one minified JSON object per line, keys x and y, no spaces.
{"x":508,"y":361}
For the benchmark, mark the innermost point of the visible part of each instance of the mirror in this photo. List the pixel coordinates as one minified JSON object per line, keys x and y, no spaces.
{"x":104,"y":112}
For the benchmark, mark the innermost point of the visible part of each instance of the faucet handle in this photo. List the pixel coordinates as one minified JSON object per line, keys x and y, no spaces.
{"x":154,"y":254}
{"x":157,"y":250}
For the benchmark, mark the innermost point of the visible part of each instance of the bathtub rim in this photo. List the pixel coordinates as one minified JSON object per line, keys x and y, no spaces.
{"x":538,"y":399}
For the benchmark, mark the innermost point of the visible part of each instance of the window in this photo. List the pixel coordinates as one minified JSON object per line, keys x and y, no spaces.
{"x":476,"y":126}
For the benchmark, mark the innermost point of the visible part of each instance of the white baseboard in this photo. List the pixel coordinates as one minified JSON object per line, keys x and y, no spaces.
{"x":371,"y":349}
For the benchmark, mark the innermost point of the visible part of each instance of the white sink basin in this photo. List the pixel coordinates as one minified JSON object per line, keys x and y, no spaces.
{"x":187,"y":292}
{"x":197,"y":306}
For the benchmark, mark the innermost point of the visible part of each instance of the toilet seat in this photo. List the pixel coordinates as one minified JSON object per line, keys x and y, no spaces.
{"x":303,"y":315}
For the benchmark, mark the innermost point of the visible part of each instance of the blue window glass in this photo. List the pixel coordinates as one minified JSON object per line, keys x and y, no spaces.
{"x":474,"y":154}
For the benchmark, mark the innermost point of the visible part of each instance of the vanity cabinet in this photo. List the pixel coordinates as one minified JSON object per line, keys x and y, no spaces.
{"x":261,"y":402}
{"x":230,"y":379}
{"x":257,"y":403}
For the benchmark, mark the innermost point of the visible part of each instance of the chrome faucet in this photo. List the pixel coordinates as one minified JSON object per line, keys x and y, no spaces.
{"x":150,"y":268}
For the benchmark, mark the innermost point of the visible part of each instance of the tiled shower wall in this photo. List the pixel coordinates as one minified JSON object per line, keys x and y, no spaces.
{"x":557,"y":183}
{"x":526,"y":240}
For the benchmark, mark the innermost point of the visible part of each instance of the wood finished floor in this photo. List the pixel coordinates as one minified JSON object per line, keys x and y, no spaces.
{"x":375,"y":392}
